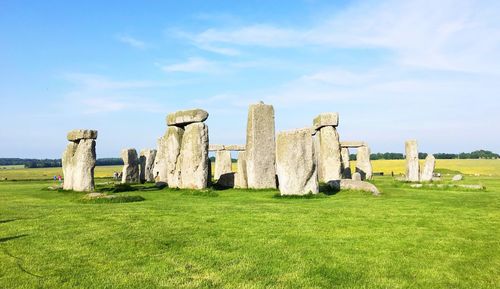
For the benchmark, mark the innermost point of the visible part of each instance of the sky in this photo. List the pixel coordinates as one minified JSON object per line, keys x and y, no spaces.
{"x":393,"y":70}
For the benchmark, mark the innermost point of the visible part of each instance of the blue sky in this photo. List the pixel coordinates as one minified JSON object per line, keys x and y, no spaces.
{"x":394,"y":70}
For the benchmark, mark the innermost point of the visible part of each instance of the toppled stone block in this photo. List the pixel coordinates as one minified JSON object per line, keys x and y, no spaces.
{"x":355,"y":185}
{"x":185,"y":117}
{"x":326,"y":119}
{"x":78,"y":134}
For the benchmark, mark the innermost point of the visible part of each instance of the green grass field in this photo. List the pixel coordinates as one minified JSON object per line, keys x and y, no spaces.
{"x":406,"y":238}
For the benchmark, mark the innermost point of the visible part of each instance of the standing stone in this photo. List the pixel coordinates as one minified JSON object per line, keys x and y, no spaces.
{"x":428,"y":170}
{"x":240,"y":178}
{"x":295,"y":163}
{"x":79,"y":160}
{"x":412,"y":166}
{"x":346,"y":164}
{"x":193,"y":157}
{"x":146,"y":160}
{"x":329,"y":160}
{"x":222,"y":163}
{"x":167,"y":168}
{"x":261,"y":147}
{"x":130,"y":166}
{"x":363,"y":163}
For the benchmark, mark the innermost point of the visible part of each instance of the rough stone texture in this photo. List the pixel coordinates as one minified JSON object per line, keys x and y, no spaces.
{"x":352,"y":144}
{"x":428,"y":170}
{"x":130,"y":166}
{"x":222,"y":163}
{"x":78,"y":162}
{"x":193,"y":157}
{"x":240,"y":178}
{"x":412,"y":167}
{"x":355,"y":185}
{"x":215,"y":147}
{"x":326,"y":119}
{"x":185,"y":117}
{"x":295,"y":163}
{"x":234,"y":147}
{"x":261,"y":147}
{"x":346,"y":163}
{"x":78,"y":134}
{"x":457,"y":178}
{"x":356,"y":177}
{"x":166,"y":162}
{"x":147,"y":161}
{"x":363,"y":163}
{"x":329,"y":161}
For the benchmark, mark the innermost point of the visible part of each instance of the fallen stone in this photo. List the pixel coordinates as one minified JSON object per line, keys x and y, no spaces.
{"x":185,"y":117}
{"x":91,"y":196}
{"x":193,"y":157}
{"x":295,"y":163}
{"x":329,"y":160}
{"x":346,"y":164}
{"x":130,"y":173}
{"x":147,"y":161}
{"x":261,"y":147}
{"x":457,"y":178}
{"x":222,"y":163}
{"x":428,"y":170}
{"x":326,"y":119}
{"x":355,"y":185}
{"x":356,"y":176}
{"x":240,"y":178}
{"x":234,"y":147}
{"x":78,"y":134}
{"x":363,"y":163}
{"x":412,"y":166}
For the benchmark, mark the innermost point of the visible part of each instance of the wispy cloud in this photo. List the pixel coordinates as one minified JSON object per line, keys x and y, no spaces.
{"x":192,"y":64}
{"x":131,"y":41}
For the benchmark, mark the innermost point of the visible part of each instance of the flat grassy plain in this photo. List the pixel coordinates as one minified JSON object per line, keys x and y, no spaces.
{"x":406,"y":238}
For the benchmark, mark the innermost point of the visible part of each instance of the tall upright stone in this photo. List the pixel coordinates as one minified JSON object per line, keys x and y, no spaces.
{"x":240,"y":178}
{"x":296,"y":163}
{"x":222,"y":163}
{"x":193,"y":157}
{"x":329,"y":160}
{"x":79,"y":160}
{"x":346,"y":164}
{"x":146,"y":161}
{"x":363,"y":163}
{"x":412,"y":166}
{"x":130,"y":173}
{"x":428,"y":170}
{"x":261,"y":147}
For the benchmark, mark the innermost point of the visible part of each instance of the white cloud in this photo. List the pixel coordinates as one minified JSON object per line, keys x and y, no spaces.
{"x":131,"y":41}
{"x":193,"y":64}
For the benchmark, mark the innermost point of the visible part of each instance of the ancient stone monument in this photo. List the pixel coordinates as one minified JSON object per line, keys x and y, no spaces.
{"x":182,"y":158}
{"x":328,"y":147}
{"x":146,"y":161}
{"x":261,"y":147}
{"x":78,"y":160}
{"x":130,"y":173}
{"x":222,"y":163}
{"x":346,"y":163}
{"x":240,"y":178}
{"x":363,"y":163}
{"x":296,"y":163}
{"x":428,"y":170}
{"x":412,"y":166}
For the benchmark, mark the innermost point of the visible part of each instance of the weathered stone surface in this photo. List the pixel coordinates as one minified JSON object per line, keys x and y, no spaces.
{"x":78,"y":134}
{"x":215,"y":147}
{"x":356,"y":176}
{"x":457,"y":178}
{"x":428,"y":170}
{"x":346,"y":164}
{"x":167,"y":167}
{"x":329,"y":162}
{"x":147,"y":161}
{"x":193,"y":157}
{"x":78,"y":163}
{"x":226,"y":180}
{"x":412,"y":166}
{"x":261,"y":147}
{"x":222,"y":163}
{"x":295,"y":163}
{"x":240,"y":178}
{"x":363,"y":163}
{"x":355,"y":185}
{"x":130,"y":166}
{"x":185,"y":117}
{"x":352,"y":144}
{"x":234,"y":147}
{"x":326,"y":119}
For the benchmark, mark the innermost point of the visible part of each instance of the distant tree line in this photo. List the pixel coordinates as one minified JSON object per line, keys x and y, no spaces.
{"x":51,"y":163}
{"x":479,"y":154}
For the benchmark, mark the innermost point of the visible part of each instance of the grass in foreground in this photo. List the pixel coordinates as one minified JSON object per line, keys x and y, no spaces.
{"x":406,"y":238}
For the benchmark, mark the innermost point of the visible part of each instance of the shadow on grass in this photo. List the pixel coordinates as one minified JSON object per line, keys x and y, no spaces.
{"x":7,"y":221}
{"x":201,"y":193}
{"x":5,"y":239}
{"x":113,"y":200}
{"x":120,"y":188}
{"x":307,"y":196}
